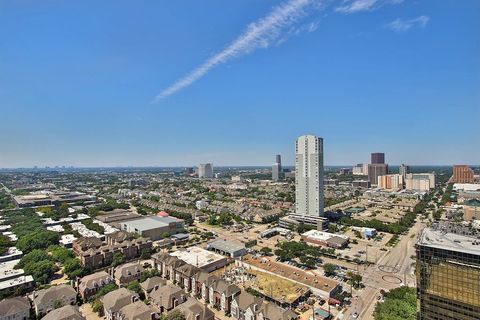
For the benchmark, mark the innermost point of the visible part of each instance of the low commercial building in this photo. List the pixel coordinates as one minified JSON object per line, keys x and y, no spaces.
{"x":367,"y":233}
{"x":227,"y":248}
{"x":116,"y":216}
{"x":51,"y":198}
{"x":154,"y":227}
{"x":293,"y":220}
{"x":14,"y":280}
{"x":201,"y":258}
{"x":326,"y":239}
{"x":12,"y":254}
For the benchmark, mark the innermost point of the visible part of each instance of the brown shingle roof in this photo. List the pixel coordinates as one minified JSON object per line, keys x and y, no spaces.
{"x":64,"y":313}
{"x":14,"y":305}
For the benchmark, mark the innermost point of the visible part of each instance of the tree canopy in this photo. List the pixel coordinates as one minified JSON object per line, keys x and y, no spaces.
{"x":399,"y":304}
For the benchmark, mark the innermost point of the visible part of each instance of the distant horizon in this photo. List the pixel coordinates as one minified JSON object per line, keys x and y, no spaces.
{"x":216,"y":166}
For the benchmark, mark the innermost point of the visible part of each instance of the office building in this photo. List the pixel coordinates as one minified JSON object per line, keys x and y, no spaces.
{"x":358,"y":170}
{"x":420,"y":181}
{"x":309,"y":176}
{"x":376,"y":170}
{"x":378,"y":158}
{"x":361,"y":184}
{"x":403,"y":170}
{"x":390,"y":181}
{"x":462,"y":174}
{"x":205,"y":171}
{"x":276,"y":171}
{"x":277,"y":168}
{"x":448,"y":273}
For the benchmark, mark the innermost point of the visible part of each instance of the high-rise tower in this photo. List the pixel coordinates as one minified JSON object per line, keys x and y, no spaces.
{"x":309,"y":176}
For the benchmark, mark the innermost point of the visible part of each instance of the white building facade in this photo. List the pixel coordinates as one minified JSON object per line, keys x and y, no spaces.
{"x":309,"y":176}
{"x":205,"y":171}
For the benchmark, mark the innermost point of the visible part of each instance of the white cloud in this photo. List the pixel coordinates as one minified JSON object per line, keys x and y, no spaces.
{"x":401,"y":25}
{"x":259,"y":34}
{"x":353,"y":6}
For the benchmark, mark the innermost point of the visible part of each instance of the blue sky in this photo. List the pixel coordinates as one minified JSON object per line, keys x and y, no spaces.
{"x":78,"y":81}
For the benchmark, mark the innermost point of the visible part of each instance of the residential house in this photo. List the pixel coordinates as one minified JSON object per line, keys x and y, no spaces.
{"x":193,"y":310}
{"x":138,"y":311}
{"x":54,"y":297}
{"x":94,"y":253}
{"x":170,"y":265}
{"x":17,"y":308}
{"x":116,"y":300}
{"x":167,"y":297}
{"x":89,"y":285}
{"x":270,"y":311}
{"x":158,"y":262}
{"x":246,"y":306}
{"x":203,"y":281}
{"x":151,"y":284}
{"x":68,"y":312}
{"x":127,"y":273}
{"x":221,"y":294}
{"x":184,"y":276}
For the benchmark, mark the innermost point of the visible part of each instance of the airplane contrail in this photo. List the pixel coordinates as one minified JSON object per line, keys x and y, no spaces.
{"x":259,"y":34}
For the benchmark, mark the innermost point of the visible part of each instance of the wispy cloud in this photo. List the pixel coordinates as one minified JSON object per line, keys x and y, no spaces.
{"x":260,"y":34}
{"x":401,"y":25}
{"x":353,"y":6}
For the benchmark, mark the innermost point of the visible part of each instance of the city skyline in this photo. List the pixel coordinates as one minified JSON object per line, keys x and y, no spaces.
{"x":352,"y":69}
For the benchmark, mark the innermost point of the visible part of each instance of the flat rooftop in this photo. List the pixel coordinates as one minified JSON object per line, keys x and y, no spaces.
{"x":151,"y":222}
{"x":197,"y":256}
{"x":442,"y":239}
{"x":226,"y":245}
{"x":323,"y":236}
{"x":306,"y":278}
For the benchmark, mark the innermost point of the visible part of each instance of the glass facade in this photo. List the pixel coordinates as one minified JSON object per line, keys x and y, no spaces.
{"x":448,"y":284}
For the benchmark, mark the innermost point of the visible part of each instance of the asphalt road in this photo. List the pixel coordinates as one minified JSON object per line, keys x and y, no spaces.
{"x":393,"y":269}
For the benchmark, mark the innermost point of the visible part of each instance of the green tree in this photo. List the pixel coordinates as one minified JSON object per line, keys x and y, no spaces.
{"x":266,"y":251}
{"x":40,"y":239}
{"x":72,"y":268}
{"x":41,"y":271}
{"x":399,"y":304}
{"x":5,"y":243}
{"x":118,"y":259}
{"x":135,"y":287}
{"x":33,"y":257}
{"x":60,"y":254}
{"x":330,"y":269}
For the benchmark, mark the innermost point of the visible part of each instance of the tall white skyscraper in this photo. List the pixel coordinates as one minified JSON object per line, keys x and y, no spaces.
{"x":309,"y":176}
{"x":205,"y":171}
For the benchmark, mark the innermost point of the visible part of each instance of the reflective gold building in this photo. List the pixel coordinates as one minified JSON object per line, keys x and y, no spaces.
{"x":448,"y":274}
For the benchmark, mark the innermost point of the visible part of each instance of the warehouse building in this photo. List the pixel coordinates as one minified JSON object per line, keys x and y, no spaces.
{"x":154,"y":227}
{"x":227,"y":248}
